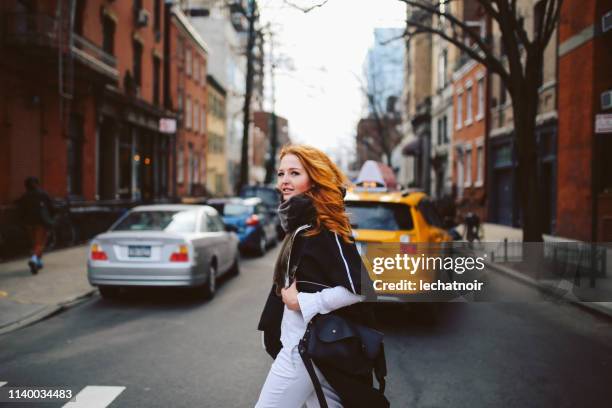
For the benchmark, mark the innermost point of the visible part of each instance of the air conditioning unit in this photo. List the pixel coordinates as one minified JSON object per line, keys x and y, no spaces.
{"x":606,"y":99}
{"x":606,"y":22}
{"x":142,"y":18}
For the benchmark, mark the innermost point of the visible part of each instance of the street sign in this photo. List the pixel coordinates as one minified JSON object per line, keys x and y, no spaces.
{"x":603,"y":123}
{"x":167,"y":125}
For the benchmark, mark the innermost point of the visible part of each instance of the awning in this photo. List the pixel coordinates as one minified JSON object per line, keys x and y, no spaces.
{"x":412,"y":148}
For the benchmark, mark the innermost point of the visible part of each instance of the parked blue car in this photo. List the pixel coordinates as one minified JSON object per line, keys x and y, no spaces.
{"x":255,"y":224}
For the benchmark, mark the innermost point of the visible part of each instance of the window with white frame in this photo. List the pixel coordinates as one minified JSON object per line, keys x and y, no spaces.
{"x":188,"y":113}
{"x":468,"y":166}
{"x":481,"y":99}
{"x":196,"y":69}
{"x":203,"y":120}
{"x":459,"y":110}
{"x":468,"y":105}
{"x":460,"y":171}
{"x":203,"y":73}
{"x":180,"y":165}
{"x":187,"y":60}
{"x":442,"y":62}
{"x":479,"y":165}
{"x":196,"y":116}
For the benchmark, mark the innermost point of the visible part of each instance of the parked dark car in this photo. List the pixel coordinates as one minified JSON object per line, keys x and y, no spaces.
{"x":270,"y":198}
{"x":255,"y":224}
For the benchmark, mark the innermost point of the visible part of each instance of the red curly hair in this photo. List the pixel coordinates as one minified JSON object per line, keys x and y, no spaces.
{"x":327,"y":193}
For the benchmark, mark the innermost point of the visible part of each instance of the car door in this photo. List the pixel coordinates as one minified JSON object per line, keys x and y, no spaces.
{"x":227,"y":244}
{"x":263,"y":215}
{"x":203,"y":243}
{"x":216,"y":236}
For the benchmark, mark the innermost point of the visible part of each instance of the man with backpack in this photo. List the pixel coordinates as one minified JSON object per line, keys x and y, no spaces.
{"x":36,"y":210}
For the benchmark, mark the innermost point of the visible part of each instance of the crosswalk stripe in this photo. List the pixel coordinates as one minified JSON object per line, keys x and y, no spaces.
{"x":95,"y":396}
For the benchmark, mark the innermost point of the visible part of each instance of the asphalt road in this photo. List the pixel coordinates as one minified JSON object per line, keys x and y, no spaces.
{"x":161,"y":348}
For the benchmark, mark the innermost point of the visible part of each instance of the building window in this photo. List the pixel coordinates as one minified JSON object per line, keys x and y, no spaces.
{"x":180,"y":165}
{"x":108,"y":35}
{"x":137,"y":63}
{"x":468,"y":105}
{"x":479,"y":165}
{"x":459,"y":110}
{"x":460,"y":176}
{"x":196,"y":118}
{"x":191,"y":168}
{"x":187,"y":60}
{"x":445,"y":140}
{"x":157,"y":16}
{"x":203,"y":73}
{"x":468,"y":166}
{"x":196,"y":69}
{"x":180,"y":100}
{"x":203,"y":120}
{"x":442,"y":61}
{"x":188,"y":113}
{"x":156,"y":79}
{"x":481,"y":101}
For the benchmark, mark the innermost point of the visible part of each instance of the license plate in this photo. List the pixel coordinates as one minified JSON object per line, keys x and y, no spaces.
{"x":139,"y":251}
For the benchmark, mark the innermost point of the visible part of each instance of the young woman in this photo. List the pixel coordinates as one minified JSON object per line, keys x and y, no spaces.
{"x":324,"y":276}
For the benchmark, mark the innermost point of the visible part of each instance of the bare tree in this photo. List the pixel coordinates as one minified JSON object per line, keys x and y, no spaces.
{"x":519,"y":67}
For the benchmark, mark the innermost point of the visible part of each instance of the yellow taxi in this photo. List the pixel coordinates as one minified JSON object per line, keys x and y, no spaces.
{"x":391,"y":223}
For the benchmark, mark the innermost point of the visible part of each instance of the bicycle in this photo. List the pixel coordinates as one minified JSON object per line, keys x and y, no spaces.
{"x":63,"y":232}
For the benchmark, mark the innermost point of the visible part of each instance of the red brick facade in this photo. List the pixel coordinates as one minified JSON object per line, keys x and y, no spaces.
{"x":584,"y":186}
{"x":468,"y":140}
{"x":189,"y":96}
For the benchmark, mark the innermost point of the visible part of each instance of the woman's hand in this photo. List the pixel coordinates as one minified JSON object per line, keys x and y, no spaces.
{"x":290,"y":297}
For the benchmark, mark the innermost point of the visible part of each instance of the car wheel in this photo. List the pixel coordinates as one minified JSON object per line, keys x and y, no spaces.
{"x":210,"y":287}
{"x":261,"y":248}
{"x":109,"y":292}
{"x":235,"y":269}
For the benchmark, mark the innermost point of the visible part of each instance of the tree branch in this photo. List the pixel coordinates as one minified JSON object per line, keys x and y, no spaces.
{"x":489,"y":61}
{"x":305,"y":9}
{"x":455,"y":22}
{"x":552,"y":22}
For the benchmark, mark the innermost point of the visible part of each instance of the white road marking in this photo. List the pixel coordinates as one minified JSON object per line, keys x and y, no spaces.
{"x":95,"y":396}
{"x":2,"y":383}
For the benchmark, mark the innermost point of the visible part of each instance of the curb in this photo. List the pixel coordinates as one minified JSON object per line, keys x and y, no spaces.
{"x":592,"y":307}
{"x":47,"y":311}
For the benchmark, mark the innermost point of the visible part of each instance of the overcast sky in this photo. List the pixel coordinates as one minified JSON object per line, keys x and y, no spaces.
{"x":321,"y":53}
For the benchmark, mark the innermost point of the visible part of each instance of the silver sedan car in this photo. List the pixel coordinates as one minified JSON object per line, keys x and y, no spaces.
{"x":164,"y":245}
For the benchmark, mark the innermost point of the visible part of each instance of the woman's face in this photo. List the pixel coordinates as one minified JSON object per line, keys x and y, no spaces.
{"x":292,"y":178}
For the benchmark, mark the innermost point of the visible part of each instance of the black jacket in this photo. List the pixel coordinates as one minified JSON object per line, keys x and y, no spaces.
{"x":35,"y":208}
{"x":324,"y":259}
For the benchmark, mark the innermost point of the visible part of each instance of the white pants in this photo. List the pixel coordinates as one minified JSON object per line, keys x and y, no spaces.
{"x":288,"y":384}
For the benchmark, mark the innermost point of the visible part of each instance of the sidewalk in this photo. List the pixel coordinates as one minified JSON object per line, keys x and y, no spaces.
{"x":27,"y":298}
{"x":555,"y":286}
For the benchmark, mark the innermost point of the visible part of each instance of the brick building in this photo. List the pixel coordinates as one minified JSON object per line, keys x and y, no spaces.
{"x":188,"y":90}
{"x":261,"y":148}
{"x":468,"y":140}
{"x":584,"y":198}
{"x":81,"y":99}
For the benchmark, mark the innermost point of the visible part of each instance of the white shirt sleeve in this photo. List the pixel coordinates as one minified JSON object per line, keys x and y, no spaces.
{"x":325,"y":301}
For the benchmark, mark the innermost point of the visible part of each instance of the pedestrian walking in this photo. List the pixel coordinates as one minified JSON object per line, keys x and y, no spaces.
{"x":317,"y":272}
{"x":36,"y":211}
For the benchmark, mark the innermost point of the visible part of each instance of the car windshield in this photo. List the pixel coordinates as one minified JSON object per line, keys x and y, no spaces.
{"x":169,"y":221}
{"x":379,"y":216}
{"x":236,"y":209}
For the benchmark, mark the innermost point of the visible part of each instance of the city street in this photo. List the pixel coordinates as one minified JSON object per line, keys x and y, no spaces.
{"x":160,"y":348}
